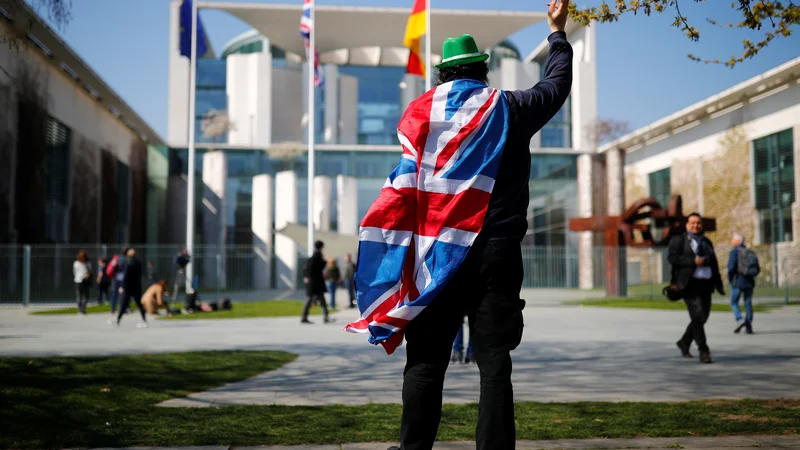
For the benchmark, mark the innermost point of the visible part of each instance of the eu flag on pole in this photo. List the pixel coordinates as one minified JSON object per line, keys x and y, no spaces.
{"x":185,"y":35}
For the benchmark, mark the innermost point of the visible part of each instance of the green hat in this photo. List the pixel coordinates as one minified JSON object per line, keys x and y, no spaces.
{"x":460,"y":50}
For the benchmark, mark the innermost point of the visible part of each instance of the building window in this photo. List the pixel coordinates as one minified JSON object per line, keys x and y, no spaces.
{"x":57,"y":179}
{"x":210,"y":95}
{"x":123,"y":201}
{"x":379,"y":103}
{"x":659,"y":186}
{"x":557,"y":133}
{"x":773,"y":166}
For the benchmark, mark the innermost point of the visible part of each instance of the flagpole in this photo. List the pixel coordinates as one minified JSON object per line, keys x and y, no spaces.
{"x":428,"y":66}
{"x":190,"y":202}
{"x":311,"y":63}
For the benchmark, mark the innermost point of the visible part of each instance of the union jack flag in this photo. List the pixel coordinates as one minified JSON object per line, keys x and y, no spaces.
{"x":306,"y":26}
{"x":431,"y":208}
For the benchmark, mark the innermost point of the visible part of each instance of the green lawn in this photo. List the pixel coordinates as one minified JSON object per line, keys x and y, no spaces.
{"x":266,"y":308}
{"x":646,"y":303}
{"x":645,"y":290}
{"x":110,"y":402}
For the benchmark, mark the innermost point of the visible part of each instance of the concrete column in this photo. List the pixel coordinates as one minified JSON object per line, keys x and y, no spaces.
{"x":347,"y":204}
{"x":348,"y":109}
{"x":215,"y":218}
{"x":330,"y":133}
{"x":285,"y":213}
{"x":261,"y":224}
{"x":796,"y":204}
{"x":413,"y":89}
{"x":585,"y":209}
{"x":615,"y":181}
{"x":322,"y":203}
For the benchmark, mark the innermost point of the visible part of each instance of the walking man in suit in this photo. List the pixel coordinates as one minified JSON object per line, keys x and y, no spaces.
{"x":695,"y":272}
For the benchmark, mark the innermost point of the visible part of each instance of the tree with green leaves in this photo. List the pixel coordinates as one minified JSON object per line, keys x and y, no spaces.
{"x":774,"y":19}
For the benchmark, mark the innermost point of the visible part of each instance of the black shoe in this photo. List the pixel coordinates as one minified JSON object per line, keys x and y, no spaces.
{"x":739,"y":328}
{"x":306,"y":321}
{"x":352,"y":306}
{"x":457,"y":357}
{"x":748,"y":329}
{"x":684,"y":349}
{"x":705,"y":358}
{"x":327,"y":320}
{"x":394,"y":447}
{"x":469,"y":359}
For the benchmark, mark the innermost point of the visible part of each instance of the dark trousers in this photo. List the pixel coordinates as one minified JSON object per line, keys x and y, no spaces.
{"x":115,"y":295}
{"x":698,"y":303}
{"x":129,"y":295}
{"x":82,"y":296}
{"x":351,"y":292}
{"x":486,"y":290}
{"x":102,"y":290}
{"x":310,"y":302}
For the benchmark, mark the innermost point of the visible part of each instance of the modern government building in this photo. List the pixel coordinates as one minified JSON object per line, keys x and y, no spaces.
{"x":258,"y":81}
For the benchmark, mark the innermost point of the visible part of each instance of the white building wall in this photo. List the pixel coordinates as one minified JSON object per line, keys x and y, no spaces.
{"x":261,"y":224}
{"x":348,"y":109}
{"x":584,"y":86}
{"x":769,"y":115}
{"x":285,"y":213}
{"x":178,"y":97}
{"x":322,"y":203}
{"x":215,"y":214}
{"x":249,"y":89}
{"x":330,"y":134}
{"x":287,"y":88}
{"x":347,"y":204}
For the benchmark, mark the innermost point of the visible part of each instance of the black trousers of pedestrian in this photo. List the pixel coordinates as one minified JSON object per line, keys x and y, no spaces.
{"x":127,"y":296}
{"x":82,"y":296}
{"x":102,"y":290}
{"x":486,"y":289}
{"x":698,"y":302}
{"x":310,"y":302}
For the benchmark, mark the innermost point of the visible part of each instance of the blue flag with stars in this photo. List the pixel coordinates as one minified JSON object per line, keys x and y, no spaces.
{"x":185,"y":35}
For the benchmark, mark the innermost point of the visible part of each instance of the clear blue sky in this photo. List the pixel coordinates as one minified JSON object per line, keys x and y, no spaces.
{"x":643,"y":73}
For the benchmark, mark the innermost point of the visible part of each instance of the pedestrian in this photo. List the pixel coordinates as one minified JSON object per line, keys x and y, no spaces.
{"x":116,"y":270}
{"x":348,"y":275}
{"x":458,"y":347}
{"x":743,"y":267}
{"x":82,"y":275}
{"x":132,"y":288}
{"x":103,"y":281}
{"x":332,"y":278}
{"x":153,"y":297}
{"x":695,"y":273}
{"x":315,"y":283}
{"x":463,"y":186}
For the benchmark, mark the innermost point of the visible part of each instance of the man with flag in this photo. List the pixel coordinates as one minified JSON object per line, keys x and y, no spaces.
{"x":443,"y":238}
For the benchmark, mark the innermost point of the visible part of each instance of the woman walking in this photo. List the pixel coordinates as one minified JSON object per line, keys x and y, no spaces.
{"x":332,"y":277}
{"x":82,"y":277}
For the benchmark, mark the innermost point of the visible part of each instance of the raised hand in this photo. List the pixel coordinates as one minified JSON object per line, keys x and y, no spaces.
{"x":557,"y":14}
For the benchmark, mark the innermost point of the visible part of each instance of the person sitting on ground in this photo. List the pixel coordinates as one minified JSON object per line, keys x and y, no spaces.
{"x":153,"y":297}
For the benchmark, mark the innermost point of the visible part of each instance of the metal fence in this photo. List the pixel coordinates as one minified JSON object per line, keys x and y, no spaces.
{"x":41,"y":274}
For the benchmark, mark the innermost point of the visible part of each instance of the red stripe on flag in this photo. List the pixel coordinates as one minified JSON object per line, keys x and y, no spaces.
{"x":462,"y":211}
{"x":450,"y":149}
{"x":415,"y":124}
{"x":393,"y":210}
{"x":394,"y":341}
{"x":414,"y":65}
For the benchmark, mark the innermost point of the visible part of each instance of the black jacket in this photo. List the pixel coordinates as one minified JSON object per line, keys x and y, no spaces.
{"x":132,"y":278}
{"x":529,"y":111}
{"x":313,"y":272}
{"x":681,"y":257}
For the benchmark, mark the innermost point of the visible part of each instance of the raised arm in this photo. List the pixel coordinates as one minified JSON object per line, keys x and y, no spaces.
{"x":540,"y":103}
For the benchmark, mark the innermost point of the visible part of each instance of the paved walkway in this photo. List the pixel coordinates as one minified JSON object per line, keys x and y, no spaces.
{"x":771,"y":442}
{"x":568,"y":354}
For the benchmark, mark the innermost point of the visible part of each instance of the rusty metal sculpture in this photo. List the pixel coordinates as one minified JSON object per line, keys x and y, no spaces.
{"x":621,"y":231}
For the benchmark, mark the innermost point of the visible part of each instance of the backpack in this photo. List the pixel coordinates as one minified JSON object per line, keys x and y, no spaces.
{"x":747,"y":264}
{"x":111,"y":268}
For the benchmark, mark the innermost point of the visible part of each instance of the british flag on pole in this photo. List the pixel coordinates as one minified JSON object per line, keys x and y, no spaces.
{"x":431,"y":208}
{"x":306,"y":28}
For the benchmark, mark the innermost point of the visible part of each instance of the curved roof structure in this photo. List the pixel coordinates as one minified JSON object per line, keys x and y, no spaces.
{"x":373,"y":36}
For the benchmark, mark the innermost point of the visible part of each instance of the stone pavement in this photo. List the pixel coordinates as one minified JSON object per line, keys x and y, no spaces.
{"x":567,"y":354}
{"x":769,"y":442}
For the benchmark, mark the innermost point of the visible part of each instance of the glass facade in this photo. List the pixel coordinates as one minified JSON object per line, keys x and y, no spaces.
{"x":659,"y":186}
{"x":553,"y":189}
{"x":210,"y":95}
{"x":558,"y":131}
{"x":773,"y":165}
{"x":57,"y":167}
{"x":379,"y":103}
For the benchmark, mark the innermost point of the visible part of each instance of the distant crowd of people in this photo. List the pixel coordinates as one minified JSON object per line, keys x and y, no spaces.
{"x":321,"y":277}
{"x":121,"y":280}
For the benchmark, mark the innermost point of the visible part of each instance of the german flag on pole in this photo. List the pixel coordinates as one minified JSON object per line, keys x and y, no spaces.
{"x":415,"y":29}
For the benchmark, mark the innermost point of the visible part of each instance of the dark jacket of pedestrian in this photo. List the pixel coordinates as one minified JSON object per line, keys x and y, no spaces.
{"x":348,"y":271}
{"x":132,"y":278}
{"x":314,"y":273}
{"x":736,"y":279}
{"x":682,"y":258}
{"x":332,"y":273}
